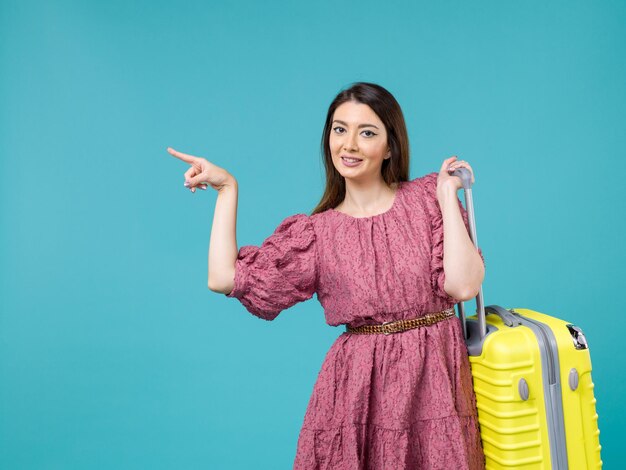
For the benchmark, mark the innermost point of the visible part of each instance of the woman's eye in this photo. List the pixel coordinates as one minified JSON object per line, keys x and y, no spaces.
{"x":370,"y":133}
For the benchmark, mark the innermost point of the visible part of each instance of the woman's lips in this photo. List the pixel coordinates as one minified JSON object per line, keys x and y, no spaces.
{"x":350,"y":162}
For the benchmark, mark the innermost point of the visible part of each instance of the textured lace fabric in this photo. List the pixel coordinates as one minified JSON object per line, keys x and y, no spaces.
{"x":398,"y":401}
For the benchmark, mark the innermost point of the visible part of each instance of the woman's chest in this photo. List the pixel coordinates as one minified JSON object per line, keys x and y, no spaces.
{"x":365,"y":254}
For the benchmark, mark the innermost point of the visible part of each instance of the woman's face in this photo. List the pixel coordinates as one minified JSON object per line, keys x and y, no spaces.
{"x":357,"y":131}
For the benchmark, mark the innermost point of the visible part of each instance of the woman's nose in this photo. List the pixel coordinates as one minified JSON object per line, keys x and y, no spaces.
{"x":350,"y":141}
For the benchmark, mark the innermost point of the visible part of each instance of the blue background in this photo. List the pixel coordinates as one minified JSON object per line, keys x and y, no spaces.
{"x":113,"y":352}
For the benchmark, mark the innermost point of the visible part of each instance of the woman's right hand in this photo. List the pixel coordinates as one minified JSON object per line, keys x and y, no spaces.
{"x":202,"y":172}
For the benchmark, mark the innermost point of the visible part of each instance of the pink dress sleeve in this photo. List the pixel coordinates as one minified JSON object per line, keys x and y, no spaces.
{"x":438,"y":275}
{"x":281,"y":272}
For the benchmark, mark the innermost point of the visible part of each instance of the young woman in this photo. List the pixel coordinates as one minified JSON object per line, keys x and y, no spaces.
{"x":378,"y":248}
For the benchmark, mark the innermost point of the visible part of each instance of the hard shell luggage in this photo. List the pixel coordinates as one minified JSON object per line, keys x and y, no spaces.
{"x":532,"y":380}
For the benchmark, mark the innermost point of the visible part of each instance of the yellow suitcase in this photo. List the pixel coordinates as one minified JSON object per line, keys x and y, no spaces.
{"x":532,"y":379}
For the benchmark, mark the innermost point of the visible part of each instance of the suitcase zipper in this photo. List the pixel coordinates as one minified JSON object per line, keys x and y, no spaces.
{"x":552,"y":392}
{"x":549,"y":354}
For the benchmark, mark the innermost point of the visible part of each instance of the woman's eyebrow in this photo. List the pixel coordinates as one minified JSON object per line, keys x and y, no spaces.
{"x":360,"y":125}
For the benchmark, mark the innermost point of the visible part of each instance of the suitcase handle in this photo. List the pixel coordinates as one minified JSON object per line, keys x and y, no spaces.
{"x":466,"y":180}
{"x":508,"y":318}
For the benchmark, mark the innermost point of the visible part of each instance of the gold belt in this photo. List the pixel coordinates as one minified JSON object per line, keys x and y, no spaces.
{"x":402,"y":325}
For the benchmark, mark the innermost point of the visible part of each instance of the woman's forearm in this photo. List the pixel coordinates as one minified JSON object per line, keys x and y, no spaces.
{"x":462,"y":264}
{"x":223,"y":243}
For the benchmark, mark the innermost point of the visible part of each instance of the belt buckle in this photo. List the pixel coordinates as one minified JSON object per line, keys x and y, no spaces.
{"x":386,"y":331}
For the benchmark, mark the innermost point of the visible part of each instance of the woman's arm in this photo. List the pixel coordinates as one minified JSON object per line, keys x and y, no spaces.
{"x":223,"y":243}
{"x":462,"y":263}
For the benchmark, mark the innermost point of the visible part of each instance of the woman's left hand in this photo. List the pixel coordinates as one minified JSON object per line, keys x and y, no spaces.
{"x":446,"y":180}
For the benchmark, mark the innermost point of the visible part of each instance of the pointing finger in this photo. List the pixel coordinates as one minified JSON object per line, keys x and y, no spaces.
{"x":182,"y":156}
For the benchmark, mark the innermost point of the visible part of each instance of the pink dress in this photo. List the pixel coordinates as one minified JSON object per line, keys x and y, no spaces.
{"x":398,"y":401}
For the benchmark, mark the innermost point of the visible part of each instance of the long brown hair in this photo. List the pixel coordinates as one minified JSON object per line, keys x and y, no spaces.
{"x":395,"y":168}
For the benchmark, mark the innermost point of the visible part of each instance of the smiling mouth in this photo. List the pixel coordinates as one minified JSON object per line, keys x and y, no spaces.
{"x":351,"y":160}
